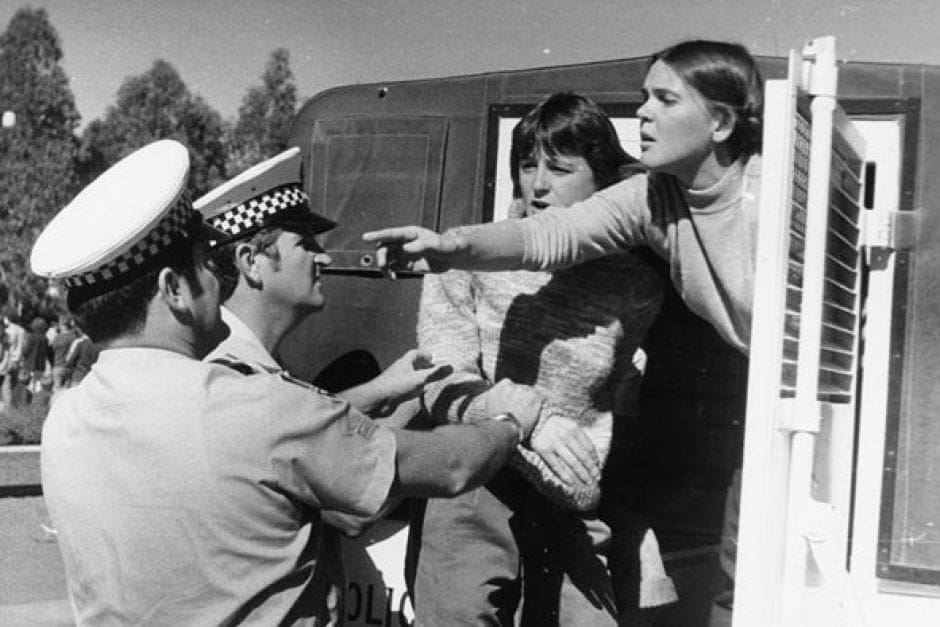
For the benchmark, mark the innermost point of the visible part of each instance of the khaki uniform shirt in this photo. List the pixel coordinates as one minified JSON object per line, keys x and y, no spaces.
{"x":185,"y":493}
{"x":243,"y":348}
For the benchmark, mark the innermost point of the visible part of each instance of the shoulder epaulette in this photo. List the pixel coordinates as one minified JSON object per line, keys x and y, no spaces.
{"x":238,"y":366}
{"x":286,"y":376}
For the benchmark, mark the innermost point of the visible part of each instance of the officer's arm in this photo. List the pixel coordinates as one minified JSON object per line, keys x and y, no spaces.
{"x":444,"y":462}
{"x":451,"y":459}
{"x":353,"y":526}
{"x":401,"y":381}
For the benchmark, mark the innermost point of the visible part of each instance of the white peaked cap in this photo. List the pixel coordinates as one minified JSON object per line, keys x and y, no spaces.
{"x":265,"y":194}
{"x":122,"y":220}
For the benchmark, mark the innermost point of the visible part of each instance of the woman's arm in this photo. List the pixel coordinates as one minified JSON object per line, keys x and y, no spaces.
{"x":557,"y":237}
{"x":448,"y":330}
{"x":491,"y":247}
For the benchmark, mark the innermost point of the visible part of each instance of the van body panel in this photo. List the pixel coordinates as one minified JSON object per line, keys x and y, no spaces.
{"x":695,"y":386}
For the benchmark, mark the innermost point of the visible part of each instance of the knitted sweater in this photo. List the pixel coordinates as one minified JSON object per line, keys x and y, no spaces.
{"x":708,"y":237}
{"x":572,"y":335}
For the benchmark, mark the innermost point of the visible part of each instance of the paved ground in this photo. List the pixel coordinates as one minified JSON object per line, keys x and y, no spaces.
{"x":32,"y":580}
{"x":38,"y":614}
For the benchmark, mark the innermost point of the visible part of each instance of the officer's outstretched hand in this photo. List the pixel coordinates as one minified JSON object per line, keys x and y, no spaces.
{"x":401,"y":381}
{"x":408,"y":375}
{"x":522,"y":401}
{"x":413,"y":248}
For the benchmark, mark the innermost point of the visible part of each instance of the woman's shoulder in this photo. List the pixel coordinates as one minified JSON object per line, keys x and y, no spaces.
{"x":752,"y":165}
{"x":656,"y":186}
{"x":629,"y":194}
{"x":632,"y":178}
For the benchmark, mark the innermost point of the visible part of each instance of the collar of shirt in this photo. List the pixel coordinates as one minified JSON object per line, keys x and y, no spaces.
{"x":243,"y":345}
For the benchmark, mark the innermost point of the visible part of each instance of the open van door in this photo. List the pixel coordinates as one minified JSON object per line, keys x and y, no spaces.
{"x":800,"y":421}
{"x":840,"y":518}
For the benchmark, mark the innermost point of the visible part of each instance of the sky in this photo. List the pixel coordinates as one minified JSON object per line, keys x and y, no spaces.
{"x":220,"y":47}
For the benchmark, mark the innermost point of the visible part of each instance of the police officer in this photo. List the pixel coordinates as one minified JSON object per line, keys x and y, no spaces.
{"x":269,"y":270}
{"x":185,"y":492}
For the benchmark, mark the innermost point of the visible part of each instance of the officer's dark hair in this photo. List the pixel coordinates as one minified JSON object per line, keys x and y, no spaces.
{"x":223,"y":257}
{"x":725,"y":74}
{"x":108,"y":312}
{"x":566,"y":123}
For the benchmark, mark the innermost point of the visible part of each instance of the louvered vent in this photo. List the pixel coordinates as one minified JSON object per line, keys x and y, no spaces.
{"x":791,"y":331}
{"x":838,"y":350}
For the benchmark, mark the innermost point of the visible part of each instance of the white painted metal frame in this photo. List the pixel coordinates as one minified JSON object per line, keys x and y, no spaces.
{"x":766,"y":449}
{"x":780,"y":437}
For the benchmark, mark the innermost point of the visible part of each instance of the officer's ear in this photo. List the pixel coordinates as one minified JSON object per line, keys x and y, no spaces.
{"x":170,"y":289}
{"x":246,"y":260}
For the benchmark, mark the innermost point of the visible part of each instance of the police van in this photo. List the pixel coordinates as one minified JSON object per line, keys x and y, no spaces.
{"x":832,"y":418}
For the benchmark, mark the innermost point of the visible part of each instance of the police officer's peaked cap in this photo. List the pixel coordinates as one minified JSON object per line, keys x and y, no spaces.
{"x":267,"y":194}
{"x":117,"y":227}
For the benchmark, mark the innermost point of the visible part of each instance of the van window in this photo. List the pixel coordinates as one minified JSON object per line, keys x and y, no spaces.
{"x":909,"y":542}
{"x":367,"y":172}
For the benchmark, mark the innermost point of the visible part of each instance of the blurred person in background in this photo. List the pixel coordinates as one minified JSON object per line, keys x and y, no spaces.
{"x":61,"y":346}
{"x":81,"y":357}
{"x":15,"y":336}
{"x":37,"y":355}
{"x":4,"y":366}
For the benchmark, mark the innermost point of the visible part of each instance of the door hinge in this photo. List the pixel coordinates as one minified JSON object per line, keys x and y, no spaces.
{"x":884,"y":232}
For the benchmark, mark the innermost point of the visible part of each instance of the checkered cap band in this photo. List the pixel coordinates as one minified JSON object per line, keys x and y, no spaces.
{"x":257,"y":211}
{"x":171,"y":228}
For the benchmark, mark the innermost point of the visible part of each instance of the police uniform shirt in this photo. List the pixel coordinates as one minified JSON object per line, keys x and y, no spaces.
{"x":244,"y":352}
{"x":190,"y":494}
{"x":242,"y":346}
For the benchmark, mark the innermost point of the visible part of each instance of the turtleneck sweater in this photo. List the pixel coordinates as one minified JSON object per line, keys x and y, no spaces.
{"x":708,"y":237}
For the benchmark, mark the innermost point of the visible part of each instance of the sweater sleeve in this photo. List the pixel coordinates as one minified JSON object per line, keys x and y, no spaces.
{"x":448,"y":330}
{"x":612,"y":219}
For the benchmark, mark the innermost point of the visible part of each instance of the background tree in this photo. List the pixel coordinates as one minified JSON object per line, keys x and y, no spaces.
{"x":37,"y":169}
{"x":157,"y":105}
{"x":265,"y":115}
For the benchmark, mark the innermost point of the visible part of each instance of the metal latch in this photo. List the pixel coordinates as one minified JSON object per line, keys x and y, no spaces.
{"x":887,"y":231}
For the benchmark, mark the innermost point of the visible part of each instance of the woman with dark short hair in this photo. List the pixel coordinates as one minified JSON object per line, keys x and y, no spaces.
{"x":545,"y":539}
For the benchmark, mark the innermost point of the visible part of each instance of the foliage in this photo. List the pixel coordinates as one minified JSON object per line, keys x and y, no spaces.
{"x":37,"y":153}
{"x":265,"y":115}
{"x":157,"y":105}
{"x":22,"y":423}
{"x":43,"y":163}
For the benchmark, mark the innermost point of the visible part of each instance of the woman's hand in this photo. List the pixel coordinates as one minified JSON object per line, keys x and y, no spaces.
{"x":411,"y":248}
{"x":417,"y":249}
{"x":567,"y":449}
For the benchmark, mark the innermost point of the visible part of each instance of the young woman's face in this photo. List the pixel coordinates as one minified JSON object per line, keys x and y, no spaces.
{"x":559,"y":181}
{"x":676,"y":124}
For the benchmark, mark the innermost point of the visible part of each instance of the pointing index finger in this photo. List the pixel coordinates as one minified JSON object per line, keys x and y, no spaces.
{"x":394,"y":234}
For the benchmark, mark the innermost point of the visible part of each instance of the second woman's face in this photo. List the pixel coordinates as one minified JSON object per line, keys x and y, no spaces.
{"x":676,"y":124}
{"x":557,"y":181}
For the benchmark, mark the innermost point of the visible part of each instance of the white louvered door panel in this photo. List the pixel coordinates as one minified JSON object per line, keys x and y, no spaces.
{"x":802,"y":377}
